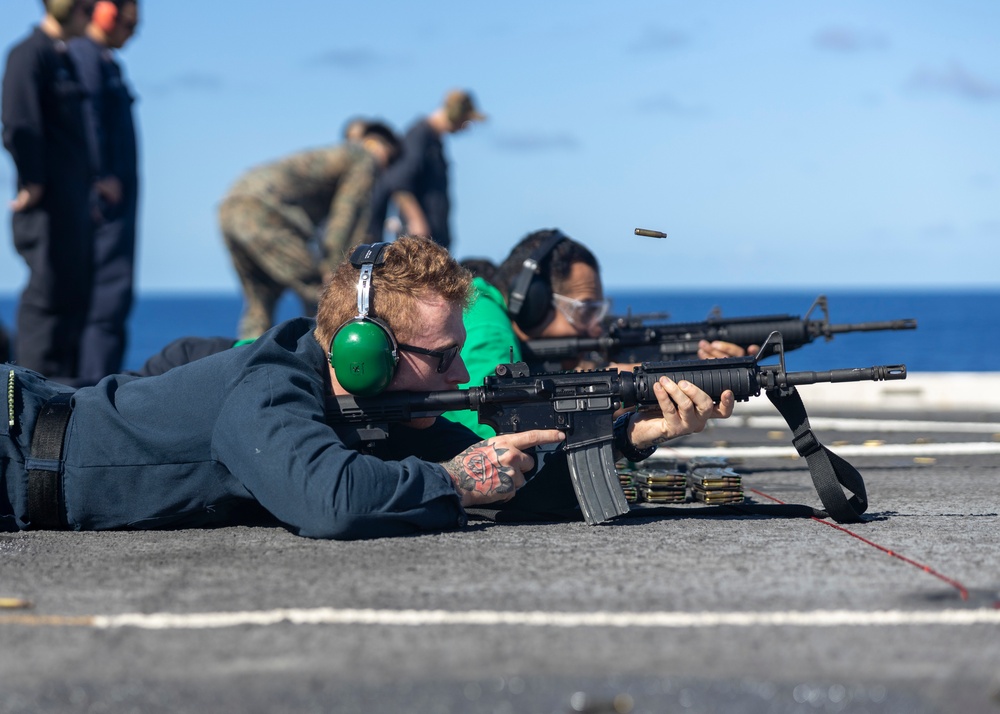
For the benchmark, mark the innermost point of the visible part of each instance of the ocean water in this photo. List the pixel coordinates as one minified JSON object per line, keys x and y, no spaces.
{"x":958,"y":331}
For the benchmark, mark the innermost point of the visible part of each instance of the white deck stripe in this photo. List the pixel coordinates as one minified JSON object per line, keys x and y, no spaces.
{"x":417,"y":618}
{"x":848,"y":424}
{"x":763,"y":452}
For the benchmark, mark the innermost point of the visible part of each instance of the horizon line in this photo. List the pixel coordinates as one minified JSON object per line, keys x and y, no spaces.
{"x":612,"y":289}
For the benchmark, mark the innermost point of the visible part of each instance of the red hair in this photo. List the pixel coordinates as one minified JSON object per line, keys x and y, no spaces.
{"x":415,"y":268}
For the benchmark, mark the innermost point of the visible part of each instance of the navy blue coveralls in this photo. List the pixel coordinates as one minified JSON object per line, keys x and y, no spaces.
{"x":112,"y":139}
{"x":44,"y":131}
{"x":235,"y":438}
{"x":422,"y":170}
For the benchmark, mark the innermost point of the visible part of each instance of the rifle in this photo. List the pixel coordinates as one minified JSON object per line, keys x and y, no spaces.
{"x":582,"y":405}
{"x":631,"y":339}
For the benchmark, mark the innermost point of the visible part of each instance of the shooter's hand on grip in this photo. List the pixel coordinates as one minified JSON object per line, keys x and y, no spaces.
{"x":492,"y":470}
{"x":684,"y":409}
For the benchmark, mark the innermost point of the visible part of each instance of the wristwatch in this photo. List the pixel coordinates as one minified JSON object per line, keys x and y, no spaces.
{"x":622,"y":443}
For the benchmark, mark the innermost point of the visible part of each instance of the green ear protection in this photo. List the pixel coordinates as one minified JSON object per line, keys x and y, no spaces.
{"x":363,"y":352}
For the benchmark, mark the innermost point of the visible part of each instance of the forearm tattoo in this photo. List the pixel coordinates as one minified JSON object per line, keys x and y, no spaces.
{"x":478,"y":469}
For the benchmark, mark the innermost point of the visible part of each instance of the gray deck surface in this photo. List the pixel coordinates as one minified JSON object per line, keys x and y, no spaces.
{"x":664,"y":576}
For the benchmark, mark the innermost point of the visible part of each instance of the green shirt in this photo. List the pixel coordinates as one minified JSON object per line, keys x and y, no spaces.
{"x":488,"y":342}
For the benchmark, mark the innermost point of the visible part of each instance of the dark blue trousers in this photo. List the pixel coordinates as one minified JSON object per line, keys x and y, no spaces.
{"x":54,"y":239}
{"x":103,"y":342}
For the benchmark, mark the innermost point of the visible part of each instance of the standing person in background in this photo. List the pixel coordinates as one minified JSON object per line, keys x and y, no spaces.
{"x":113,"y":152}
{"x":44,"y":131}
{"x":269,"y":216}
{"x":418,"y":183}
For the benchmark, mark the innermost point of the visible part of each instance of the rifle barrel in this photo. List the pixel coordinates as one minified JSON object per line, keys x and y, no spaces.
{"x":878,"y":373}
{"x":908,"y":324}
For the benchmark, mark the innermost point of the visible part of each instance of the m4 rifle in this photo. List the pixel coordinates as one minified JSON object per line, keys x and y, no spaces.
{"x":630,"y":340}
{"x":582,"y":404}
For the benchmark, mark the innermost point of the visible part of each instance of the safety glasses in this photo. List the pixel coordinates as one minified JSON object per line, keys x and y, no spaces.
{"x":581,"y":313}
{"x":444,"y":357}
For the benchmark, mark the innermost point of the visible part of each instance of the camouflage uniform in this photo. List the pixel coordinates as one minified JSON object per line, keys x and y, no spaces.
{"x":271,"y":213}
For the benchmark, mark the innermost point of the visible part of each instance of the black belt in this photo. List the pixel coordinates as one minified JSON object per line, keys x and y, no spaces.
{"x":45,"y":500}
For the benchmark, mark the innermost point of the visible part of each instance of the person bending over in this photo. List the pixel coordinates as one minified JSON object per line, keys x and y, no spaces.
{"x":271,"y":214}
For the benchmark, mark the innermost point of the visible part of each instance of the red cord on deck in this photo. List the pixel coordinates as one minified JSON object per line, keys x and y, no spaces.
{"x":963,"y":593}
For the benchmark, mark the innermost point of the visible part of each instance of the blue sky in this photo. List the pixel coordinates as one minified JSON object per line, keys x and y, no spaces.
{"x":780,"y":144}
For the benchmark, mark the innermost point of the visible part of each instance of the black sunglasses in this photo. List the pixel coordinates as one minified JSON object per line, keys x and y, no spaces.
{"x":444,"y":357}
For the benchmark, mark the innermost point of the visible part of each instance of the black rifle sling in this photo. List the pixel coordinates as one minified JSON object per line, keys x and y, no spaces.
{"x":829,"y":471}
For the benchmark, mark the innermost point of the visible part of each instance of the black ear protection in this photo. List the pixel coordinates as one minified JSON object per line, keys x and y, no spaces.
{"x":363,"y":352}
{"x":531,"y":292}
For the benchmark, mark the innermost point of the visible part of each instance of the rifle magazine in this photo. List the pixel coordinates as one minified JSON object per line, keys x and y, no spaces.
{"x":595,"y":480}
